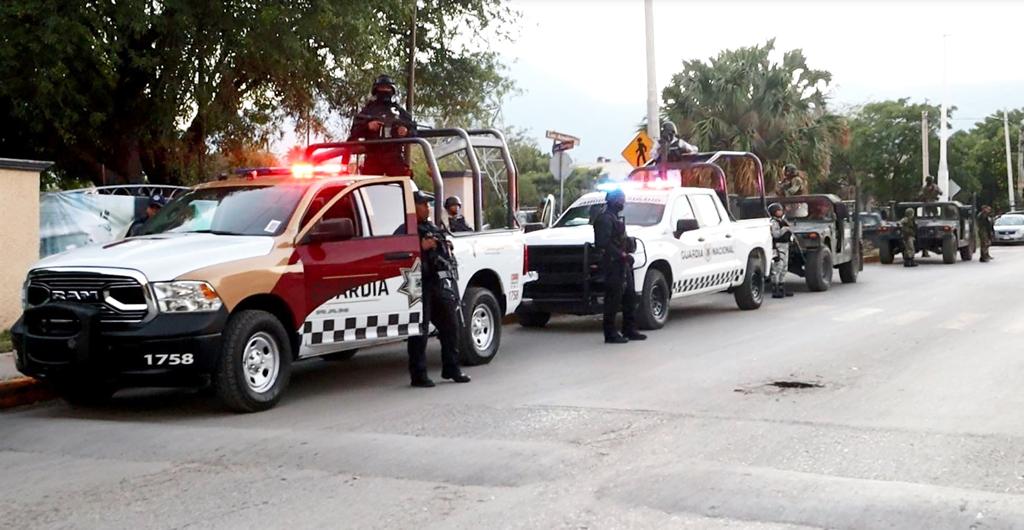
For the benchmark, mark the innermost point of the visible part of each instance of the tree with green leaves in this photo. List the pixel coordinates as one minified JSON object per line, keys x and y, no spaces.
{"x":977,"y":158}
{"x":139,"y":87}
{"x":742,"y":100}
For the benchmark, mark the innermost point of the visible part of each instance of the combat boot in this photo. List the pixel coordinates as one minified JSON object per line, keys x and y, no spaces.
{"x":913,"y":262}
{"x":778,"y":291}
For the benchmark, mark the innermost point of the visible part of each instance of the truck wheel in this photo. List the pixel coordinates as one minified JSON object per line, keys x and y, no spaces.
{"x":948,"y":250}
{"x":885,"y":252}
{"x":966,"y":253}
{"x":652,"y":312}
{"x":340,"y":356}
{"x":750,"y":294}
{"x":481,"y":335}
{"x":255,"y":365}
{"x":848,"y":271}
{"x":532,"y":319}
{"x":85,"y":393}
{"x":819,"y":270}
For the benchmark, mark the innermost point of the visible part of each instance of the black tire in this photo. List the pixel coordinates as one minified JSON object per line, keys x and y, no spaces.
{"x":885,"y":252}
{"x":750,"y":294}
{"x":246,"y":379}
{"x":85,"y":392}
{"x":532,"y":319}
{"x":819,"y":270}
{"x":848,"y":271}
{"x":340,"y":356}
{"x":653,"y":309}
{"x":966,"y":253}
{"x":481,"y":336}
{"x":948,"y":250}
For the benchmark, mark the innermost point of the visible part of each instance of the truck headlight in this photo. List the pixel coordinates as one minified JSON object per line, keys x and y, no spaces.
{"x":185,"y":297}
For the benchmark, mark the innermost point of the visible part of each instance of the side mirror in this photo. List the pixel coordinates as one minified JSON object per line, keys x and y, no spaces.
{"x":686,"y":225}
{"x":533,"y":227}
{"x":331,"y":230}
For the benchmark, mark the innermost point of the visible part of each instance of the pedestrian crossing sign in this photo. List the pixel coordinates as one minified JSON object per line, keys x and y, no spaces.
{"x":639,"y":151}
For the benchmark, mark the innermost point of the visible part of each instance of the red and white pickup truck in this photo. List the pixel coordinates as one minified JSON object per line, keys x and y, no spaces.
{"x":237,"y":279}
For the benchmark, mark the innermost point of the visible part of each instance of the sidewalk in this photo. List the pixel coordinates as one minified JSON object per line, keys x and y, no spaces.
{"x":16,"y":389}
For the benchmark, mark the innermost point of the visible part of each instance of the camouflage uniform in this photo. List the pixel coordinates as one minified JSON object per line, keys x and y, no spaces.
{"x":781,"y":236}
{"x":986,"y":232}
{"x":790,"y":184}
{"x":908,"y":229}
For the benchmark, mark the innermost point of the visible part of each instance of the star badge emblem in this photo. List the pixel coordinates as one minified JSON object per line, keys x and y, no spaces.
{"x":412,"y":283}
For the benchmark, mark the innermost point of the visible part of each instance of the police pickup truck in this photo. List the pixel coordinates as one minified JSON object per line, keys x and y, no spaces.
{"x":688,"y":244}
{"x":237,"y":279}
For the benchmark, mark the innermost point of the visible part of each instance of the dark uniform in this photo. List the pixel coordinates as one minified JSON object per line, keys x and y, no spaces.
{"x":671,"y":148}
{"x":456,"y":221}
{"x":617,"y":265}
{"x":386,"y":160}
{"x":986,"y":232}
{"x":440,"y":296}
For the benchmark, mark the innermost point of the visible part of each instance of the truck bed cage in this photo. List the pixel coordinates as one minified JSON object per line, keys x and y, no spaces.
{"x":457,"y":141}
{"x":709,"y":160}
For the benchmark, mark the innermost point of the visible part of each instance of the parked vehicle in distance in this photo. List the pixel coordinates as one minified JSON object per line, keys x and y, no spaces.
{"x":1009,"y":229}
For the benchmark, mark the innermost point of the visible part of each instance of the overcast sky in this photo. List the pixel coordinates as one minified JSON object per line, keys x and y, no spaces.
{"x":581,"y":64}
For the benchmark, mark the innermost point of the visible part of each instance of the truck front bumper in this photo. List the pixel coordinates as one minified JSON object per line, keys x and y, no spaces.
{"x":68,"y":340}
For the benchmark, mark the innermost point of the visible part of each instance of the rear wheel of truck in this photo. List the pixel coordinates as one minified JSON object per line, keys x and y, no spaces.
{"x":885,"y":252}
{"x":819,"y":270}
{"x":750,"y":294}
{"x":652,"y":312}
{"x":948,"y":250}
{"x":85,"y":393}
{"x":532,"y":319}
{"x":848,"y":271}
{"x":481,"y":335}
{"x":255,"y":364}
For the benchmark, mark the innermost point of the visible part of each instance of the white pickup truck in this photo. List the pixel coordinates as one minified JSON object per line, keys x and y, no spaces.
{"x":687,"y":244}
{"x":236,"y":279}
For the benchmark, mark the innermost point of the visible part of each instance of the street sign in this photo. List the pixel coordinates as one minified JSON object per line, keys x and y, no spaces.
{"x":561,"y":165}
{"x":562,"y":146}
{"x":638,"y":152}
{"x":562,"y":137}
{"x":954,"y":188}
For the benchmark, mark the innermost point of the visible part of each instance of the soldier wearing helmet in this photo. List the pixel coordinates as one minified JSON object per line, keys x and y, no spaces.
{"x":383,"y":118}
{"x":617,"y":266}
{"x":456,"y":221}
{"x":908,"y":229}
{"x":671,"y":148}
{"x":781,"y":236}
{"x":930,"y":192}
{"x":791,"y":183}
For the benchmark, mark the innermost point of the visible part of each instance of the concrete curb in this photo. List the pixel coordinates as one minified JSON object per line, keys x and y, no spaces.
{"x":23,"y":391}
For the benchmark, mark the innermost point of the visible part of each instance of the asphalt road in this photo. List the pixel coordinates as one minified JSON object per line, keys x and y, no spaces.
{"x":918,"y":423}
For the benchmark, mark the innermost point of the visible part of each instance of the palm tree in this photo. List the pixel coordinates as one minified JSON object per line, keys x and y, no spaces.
{"x":742,"y":100}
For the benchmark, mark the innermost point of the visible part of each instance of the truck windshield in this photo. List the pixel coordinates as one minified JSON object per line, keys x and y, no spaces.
{"x":810,"y":210}
{"x":243,"y":210}
{"x":635,"y":213}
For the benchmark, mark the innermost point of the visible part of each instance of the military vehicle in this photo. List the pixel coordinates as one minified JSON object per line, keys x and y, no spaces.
{"x":942,"y":227}
{"x":827,"y":238}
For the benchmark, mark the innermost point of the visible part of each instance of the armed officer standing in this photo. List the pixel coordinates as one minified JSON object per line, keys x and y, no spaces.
{"x":383,"y":118}
{"x":456,"y":221}
{"x":908,"y":229}
{"x":617,"y":265}
{"x":781,"y":236}
{"x":790,"y":184}
{"x":986,"y":232}
{"x":672,"y":148}
{"x":441,"y":305}
{"x":930,"y":192}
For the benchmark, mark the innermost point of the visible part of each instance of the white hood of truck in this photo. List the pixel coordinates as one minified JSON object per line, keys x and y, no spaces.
{"x":163,"y":257}
{"x":578,"y":235}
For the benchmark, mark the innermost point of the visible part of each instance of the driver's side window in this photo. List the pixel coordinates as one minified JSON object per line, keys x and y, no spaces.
{"x":681,"y":210}
{"x":344,"y":209}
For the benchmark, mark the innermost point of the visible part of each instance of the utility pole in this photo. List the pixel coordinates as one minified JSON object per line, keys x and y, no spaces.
{"x":652,"y":79}
{"x":410,"y":96}
{"x":924,"y":146}
{"x":943,"y":173}
{"x":1020,"y":161}
{"x":1009,"y":162}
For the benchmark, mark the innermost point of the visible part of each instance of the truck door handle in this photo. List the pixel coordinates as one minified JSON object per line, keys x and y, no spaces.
{"x":701,"y":239}
{"x":728,"y":235}
{"x":397,"y":256}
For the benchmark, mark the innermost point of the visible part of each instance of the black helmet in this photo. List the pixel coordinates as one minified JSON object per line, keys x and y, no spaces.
{"x":775,"y":207}
{"x":452,"y":200}
{"x":789,"y":170}
{"x":929,"y":180}
{"x":615,"y":195}
{"x":668,"y":130}
{"x":382,"y":81}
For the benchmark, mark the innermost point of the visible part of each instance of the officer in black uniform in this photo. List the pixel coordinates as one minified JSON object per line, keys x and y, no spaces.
{"x":672,"y":148}
{"x":617,"y":265}
{"x":440,"y":301}
{"x":156,"y":203}
{"x":382,"y":117}
{"x":456,"y":221}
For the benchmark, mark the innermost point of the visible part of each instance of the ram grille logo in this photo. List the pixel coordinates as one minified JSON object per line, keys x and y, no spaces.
{"x":75,"y":296}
